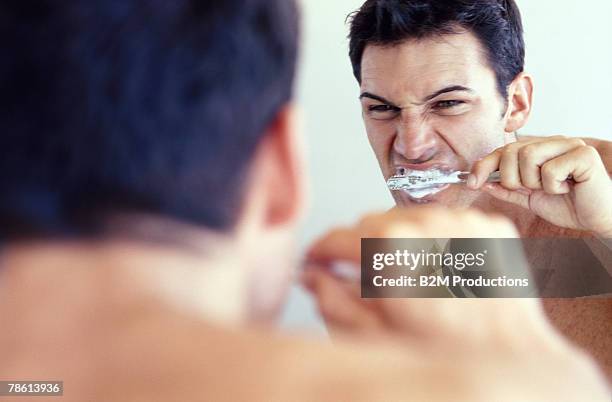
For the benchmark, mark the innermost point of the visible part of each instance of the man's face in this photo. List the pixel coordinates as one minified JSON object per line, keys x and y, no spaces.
{"x":431,"y":103}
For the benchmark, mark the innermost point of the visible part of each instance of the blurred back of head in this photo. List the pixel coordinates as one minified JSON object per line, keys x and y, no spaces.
{"x":112,"y":107}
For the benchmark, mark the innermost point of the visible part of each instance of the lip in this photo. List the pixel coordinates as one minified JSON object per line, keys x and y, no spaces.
{"x":423,"y":200}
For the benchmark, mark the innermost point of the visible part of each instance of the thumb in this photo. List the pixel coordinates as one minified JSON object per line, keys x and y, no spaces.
{"x":516,"y":197}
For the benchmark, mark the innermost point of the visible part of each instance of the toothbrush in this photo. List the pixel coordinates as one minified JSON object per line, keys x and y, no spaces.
{"x":415,"y":179}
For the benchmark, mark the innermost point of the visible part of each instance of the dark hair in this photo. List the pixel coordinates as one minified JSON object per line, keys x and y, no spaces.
{"x":121,"y":106}
{"x":496,"y":23}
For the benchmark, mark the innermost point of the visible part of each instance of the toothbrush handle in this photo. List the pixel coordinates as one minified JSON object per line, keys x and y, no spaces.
{"x":494,"y":177}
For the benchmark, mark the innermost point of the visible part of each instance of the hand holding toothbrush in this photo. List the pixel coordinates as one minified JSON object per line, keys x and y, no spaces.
{"x":533,"y":174}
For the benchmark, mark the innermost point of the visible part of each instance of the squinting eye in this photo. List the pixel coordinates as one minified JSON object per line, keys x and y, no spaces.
{"x":448,"y":104}
{"x":381,"y":108}
{"x":383,"y":112}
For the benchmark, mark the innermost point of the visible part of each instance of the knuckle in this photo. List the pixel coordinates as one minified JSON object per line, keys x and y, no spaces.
{"x":510,"y":182}
{"x":528,"y":152}
{"x":480,"y":167}
{"x":590,"y":152}
{"x":510,"y":150}
{"x":478,"y":164}
{"x":558,"y":137}
{"x":547,"y":170}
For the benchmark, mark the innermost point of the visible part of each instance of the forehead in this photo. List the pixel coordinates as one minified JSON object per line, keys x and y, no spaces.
{"x":416,"y":67}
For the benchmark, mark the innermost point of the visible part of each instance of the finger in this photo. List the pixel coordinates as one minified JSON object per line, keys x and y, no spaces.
{"x":312,"y":275}
{"x":528,"y":138}
{"x":339,"y":244}
{"x":509,"y":167}
{"x":489,"y":164}
{"x":534,"y":155}
{"x":483,"y":168}
{"x":534,"y":138}
{"x":581,"y":163}
{"x":552,"y":180}
{"x":338,"y":305}
{"x":516,"y":197}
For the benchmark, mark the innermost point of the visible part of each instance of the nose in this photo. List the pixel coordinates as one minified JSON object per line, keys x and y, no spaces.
{"x":415,"y":139}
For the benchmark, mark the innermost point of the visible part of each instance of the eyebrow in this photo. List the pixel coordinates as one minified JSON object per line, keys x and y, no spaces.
{"x":377,"y":98}
{"x":439,"y":92}
{"x":448,"y":89}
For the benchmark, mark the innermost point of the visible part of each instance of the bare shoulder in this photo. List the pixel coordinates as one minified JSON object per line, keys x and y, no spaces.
{"x":256,"y":365}
{"x":586,"y":322}
{"x":158,"y":355}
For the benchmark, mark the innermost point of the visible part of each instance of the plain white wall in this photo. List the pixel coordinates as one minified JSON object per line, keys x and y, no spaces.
{"x":569,"y":53}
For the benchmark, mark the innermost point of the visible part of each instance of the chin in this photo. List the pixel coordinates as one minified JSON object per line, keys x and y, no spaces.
{"x":448,"y":195}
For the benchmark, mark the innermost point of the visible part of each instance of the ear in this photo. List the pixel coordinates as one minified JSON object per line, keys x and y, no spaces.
{"x":520,"y":96}
{"x":277,"y":188}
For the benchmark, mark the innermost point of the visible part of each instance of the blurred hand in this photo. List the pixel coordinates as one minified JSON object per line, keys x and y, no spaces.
{"x":491,"y":339}
{"x":534,"y":176}
{"x":346,"y":313}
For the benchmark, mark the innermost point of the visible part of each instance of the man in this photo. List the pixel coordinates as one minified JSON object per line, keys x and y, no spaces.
{"x":152,"y":185}
{"x":442,"y":87}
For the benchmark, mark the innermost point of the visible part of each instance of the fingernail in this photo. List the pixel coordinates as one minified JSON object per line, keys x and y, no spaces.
{"x":472,"y":181}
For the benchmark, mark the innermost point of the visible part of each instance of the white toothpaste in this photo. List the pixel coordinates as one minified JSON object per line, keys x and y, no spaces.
{"x":423,"y":192}
{"x":422,"y":183}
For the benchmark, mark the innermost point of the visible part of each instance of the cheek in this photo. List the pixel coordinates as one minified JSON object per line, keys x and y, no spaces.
{"x":473,"y":135}
{"x":381,"y":136}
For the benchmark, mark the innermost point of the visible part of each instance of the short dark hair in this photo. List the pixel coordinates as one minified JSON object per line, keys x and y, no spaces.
{"x":149,"y":107}
{"x":496,"y":23}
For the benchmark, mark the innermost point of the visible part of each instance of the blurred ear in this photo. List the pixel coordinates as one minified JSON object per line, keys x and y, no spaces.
{"x":520,"y":95}
{"x":278,"y":179}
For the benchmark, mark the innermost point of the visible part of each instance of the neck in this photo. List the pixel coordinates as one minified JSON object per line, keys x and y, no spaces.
{"x":69,"y":277}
